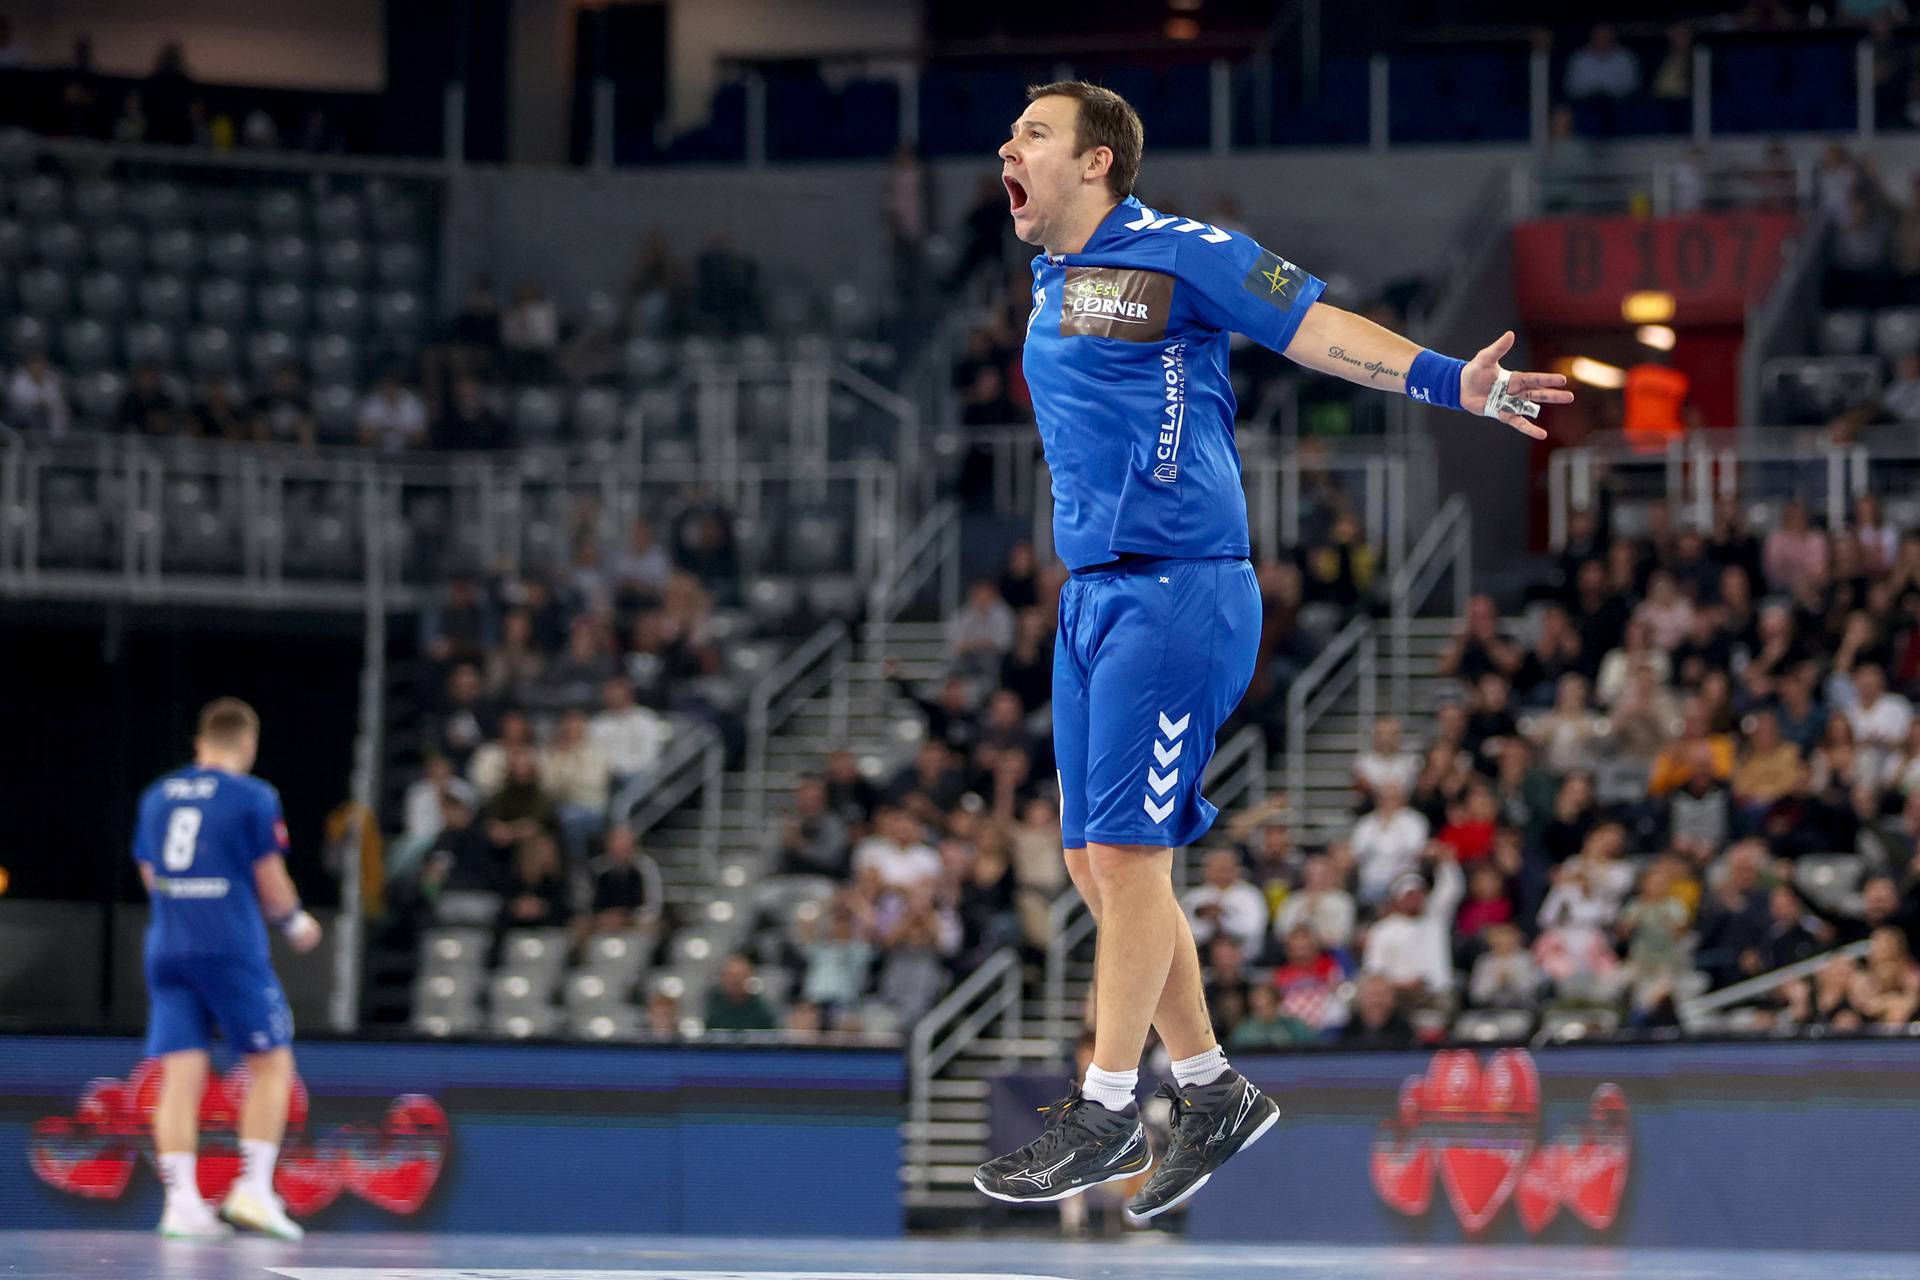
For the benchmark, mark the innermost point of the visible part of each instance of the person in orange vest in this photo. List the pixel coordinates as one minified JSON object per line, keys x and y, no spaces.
{"x":1654,"y":414}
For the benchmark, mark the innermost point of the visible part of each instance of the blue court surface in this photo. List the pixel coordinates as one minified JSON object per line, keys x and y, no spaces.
{"x":34,"y":1255}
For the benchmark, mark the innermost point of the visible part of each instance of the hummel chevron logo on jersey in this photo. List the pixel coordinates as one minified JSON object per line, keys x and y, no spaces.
{"x":1042,"y":1178}
{"x":1151,"y":221}
{"x":1160,"y":784}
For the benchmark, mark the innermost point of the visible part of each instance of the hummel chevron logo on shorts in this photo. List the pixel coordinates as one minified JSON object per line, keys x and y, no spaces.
{"x":1158,"y":783}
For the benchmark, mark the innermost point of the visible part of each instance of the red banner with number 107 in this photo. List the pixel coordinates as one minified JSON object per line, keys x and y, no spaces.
{"x":1577,"y":271}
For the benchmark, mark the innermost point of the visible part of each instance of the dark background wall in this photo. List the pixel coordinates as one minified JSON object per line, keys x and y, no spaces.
{"x":97,"y":702}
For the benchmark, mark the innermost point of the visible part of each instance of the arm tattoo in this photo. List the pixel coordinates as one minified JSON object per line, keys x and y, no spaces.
{"x":1372,"y":368}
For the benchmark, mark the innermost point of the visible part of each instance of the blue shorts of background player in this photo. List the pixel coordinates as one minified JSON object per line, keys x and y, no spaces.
{"x":189,"y":995}
{"x":1151,"y":657}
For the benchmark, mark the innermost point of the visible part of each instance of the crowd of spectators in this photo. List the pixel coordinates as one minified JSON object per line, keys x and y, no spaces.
{"x":546,"y":698}
{"x":933,"y":867}
{"x":1617,"y":807}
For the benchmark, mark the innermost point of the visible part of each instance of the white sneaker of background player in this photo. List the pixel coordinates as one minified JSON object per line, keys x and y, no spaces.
{"x":246,"y":1207}
{"x":189,"y":1218}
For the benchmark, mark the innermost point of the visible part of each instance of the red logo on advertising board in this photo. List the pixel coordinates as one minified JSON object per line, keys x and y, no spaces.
{"x":394,"y":1165}
{"x":1476,"y":1130}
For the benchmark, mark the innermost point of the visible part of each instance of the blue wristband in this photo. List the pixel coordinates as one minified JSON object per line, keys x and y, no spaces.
{"x":1435,"y":379}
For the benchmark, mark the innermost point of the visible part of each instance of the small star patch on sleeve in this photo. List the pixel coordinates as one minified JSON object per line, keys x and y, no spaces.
{"x":1275,"y":279}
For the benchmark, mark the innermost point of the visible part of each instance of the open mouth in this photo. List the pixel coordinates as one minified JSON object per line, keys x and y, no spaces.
{"x":1016,"y":194}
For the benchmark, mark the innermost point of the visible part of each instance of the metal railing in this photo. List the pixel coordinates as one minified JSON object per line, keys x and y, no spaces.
{"x":1348,"y":662}
{"x":695,"y":760}
{"x":989,"y":996}
{"x":258,"y":526}
{"x":1692,"y":1011}
{"x":1444,"y":550}
{"x":928,"y":556}
{"x":1692,"y":475}
{"x":823,"y":660}
{"x":1069,"y":924}
{"x":1287,"y":490}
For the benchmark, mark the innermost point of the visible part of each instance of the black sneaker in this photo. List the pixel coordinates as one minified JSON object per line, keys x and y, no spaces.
{"x":1083,"y":1146}
{"x":1211,"y":1124}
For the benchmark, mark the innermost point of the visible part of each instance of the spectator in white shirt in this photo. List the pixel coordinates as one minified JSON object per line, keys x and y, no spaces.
{"x":1387,"y":843}
{"x":574,"y":773}
{"x":424,"y":813}
{"x":1880,"y":719}
{"x":1411,"y":947}
{"x":426,"y":797}
{"x":487,"y":768}
{"x":530,"y":333}
{"x":896,"y":852}
{"x":629,"y":736}
{"x":1321,"y":904}
{"x":1227,"y":904}
{"x":981,"y":633}
{"x":1386,"y":762}
{"x":35,"y":401}
{"x":392,"y":418}
{"x":1603,"y":67}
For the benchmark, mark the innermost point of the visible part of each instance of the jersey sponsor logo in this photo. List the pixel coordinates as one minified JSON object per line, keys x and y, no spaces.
{"x":1275,"y":279}
{"x":1173,"y":413}
{"x":192,"y":886}
{"x":1115,"y":302}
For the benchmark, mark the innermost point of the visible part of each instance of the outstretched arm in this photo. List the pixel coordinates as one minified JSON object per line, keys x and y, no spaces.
{"x":1353,"y":347}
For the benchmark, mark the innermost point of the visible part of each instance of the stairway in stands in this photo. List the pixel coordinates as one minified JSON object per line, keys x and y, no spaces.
{"x":1326,"y":810}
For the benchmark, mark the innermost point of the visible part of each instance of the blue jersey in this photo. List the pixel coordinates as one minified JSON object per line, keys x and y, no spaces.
{"x":202,"y":830}
{"x":1126,"y":359}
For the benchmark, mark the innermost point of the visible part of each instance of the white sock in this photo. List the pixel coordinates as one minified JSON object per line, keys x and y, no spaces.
{"x":1111,"y":1089}
{"x":259,"y":1157}
{"x":1201,"y":1068}
{"x":177,"y":1171}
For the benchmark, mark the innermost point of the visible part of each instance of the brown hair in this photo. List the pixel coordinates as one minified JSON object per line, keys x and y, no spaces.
{"x":1106,"y":120}
{"x":225,"y":720}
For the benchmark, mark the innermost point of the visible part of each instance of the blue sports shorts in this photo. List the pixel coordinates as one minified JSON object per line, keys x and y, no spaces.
{"x":1151,"y":658}
{"x":188,"y":994}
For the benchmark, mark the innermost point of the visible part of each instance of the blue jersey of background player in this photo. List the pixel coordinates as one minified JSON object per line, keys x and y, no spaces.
{"x":211,"y":844}
{"x":1126,"y":360}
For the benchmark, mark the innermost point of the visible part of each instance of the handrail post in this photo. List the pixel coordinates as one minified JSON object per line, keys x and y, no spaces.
{"x":1462,"y":566}
{"x":1557,"y":513}
{"x":1836,"y":487}
{"x":713,"y":800}
{"x":841,"y":697}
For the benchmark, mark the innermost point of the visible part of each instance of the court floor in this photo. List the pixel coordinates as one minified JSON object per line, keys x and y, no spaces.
{"x":33,"y":1255}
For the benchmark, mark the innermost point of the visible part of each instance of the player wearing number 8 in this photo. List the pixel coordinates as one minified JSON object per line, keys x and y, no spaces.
{"x":211,"y":845}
